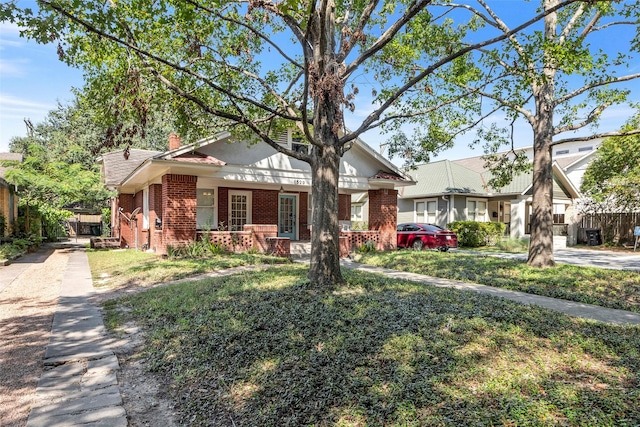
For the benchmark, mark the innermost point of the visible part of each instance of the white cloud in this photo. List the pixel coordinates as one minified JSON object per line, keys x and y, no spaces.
{"x":14,"y":67}
{"x":13,"y":103}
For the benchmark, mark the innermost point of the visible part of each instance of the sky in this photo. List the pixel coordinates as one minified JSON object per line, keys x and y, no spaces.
{"x":33,"y":81}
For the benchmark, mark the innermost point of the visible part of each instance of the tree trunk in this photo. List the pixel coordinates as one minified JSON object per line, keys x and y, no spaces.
{"x":324,"y":269}
{"x":541,"y":244}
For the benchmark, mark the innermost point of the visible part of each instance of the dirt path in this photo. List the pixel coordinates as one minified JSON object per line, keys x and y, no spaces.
{"x":27,"y":306}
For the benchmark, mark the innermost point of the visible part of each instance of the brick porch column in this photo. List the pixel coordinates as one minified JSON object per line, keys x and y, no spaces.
{"x":178,"y":210}
{"x":383,"y":216}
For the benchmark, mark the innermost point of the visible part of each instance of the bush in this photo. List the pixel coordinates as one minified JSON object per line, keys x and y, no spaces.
{"x":473,"y":234}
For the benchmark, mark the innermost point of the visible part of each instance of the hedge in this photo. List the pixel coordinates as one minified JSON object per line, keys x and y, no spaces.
{"x":473,"y":234}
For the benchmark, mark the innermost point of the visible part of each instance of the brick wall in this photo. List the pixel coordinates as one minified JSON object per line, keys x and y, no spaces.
{"x":357,"y":239}
{"x":383,"y":214}
{"x":260,"y":234}
{"x":264,"y":207}
{"x":178,"y":210}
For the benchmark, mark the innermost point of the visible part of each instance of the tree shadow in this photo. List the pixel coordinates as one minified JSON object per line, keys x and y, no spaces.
{"x":376,"y":352}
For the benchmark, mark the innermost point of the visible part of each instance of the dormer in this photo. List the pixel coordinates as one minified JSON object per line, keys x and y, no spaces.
{"x":294,"y":139}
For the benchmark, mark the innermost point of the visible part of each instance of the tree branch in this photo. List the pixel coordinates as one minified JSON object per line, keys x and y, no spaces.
{"x":594,"y":85}
{"x":596,"y":136}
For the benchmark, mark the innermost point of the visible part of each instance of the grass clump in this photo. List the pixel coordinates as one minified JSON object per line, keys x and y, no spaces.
{"x":268,"y":348}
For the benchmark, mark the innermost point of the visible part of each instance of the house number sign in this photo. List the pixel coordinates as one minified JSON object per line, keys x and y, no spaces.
{"x":299,"y":182}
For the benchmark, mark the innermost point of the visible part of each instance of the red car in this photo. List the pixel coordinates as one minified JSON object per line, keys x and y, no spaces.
{"x":419,"y":236}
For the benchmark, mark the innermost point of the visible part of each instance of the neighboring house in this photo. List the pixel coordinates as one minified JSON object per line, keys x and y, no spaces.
{"x":164,"y":199}
{"x":449,"y":191}
{"x":8,"y":197}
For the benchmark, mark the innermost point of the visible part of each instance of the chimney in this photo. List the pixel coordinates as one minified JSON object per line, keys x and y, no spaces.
{"x":174,"y":141}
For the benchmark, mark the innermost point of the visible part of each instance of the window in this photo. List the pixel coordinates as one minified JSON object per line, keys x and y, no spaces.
{"x":558,"y":214}
{"x":582,"y":149}
{"x":206,"y":208}
{"x":426,"y":211}
{"x":239,"y":209}
{"x":476,"y":210}
{"x":145,"y":208}
{"x":356,"y":212}
{"x":559,"y":152}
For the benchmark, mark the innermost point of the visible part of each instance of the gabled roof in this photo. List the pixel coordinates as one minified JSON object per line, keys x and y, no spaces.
{"x":116,"y":167}
{"x":444,"y":177}
{"x":451,"y":177}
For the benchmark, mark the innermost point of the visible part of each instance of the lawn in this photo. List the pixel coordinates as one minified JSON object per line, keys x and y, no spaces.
{"x":138,"y":268}
{"x":606,"y":288}
{"x":268,"y":348}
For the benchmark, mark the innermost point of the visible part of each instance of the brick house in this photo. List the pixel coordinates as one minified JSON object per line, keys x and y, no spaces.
{"x":249,"y":196}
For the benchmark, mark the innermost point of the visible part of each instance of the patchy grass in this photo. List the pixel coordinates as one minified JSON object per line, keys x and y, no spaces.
{"x":606,"y":288}
{"x":267,"y":348}
{"x":136,"y":268}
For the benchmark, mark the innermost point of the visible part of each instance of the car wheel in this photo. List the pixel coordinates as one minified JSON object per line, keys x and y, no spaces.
{"x":418,"y":244}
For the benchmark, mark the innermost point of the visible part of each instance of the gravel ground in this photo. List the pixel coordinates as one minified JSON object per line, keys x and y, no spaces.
{"x":27,"y":306}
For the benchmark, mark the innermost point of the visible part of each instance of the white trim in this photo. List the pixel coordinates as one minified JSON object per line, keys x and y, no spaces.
{"x":425,"y":212}
{"x":214,"y":223}
{"x":248,"y":195}
{"x":145,"y":208}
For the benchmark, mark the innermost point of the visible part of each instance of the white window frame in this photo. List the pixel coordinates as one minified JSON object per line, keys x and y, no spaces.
{"x":248,"y":195}
{"x":425,"y":213}
{"x":358,"y":216}
{"x":476,"y":213}
{"x":145,"y":208}
{"x":214,"y":208}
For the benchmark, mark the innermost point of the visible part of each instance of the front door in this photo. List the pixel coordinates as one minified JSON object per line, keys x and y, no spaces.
{"x":287,"y":220}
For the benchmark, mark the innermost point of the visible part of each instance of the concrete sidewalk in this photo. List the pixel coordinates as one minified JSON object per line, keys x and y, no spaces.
{"x":576,"y":309}
{"x":79,"y":385}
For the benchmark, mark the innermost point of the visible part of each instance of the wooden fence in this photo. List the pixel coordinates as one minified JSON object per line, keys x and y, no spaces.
{"x":615,"y":227}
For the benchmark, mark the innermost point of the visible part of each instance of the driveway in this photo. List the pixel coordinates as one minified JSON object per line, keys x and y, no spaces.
{"x":585,"y":257}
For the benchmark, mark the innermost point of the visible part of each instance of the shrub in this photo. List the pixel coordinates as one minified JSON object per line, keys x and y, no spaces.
{"x":473,"y":234}
{"x":369,"y":246}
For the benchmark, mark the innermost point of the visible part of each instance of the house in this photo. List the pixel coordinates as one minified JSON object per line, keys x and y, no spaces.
{"x":449,"y":191}
{"x":8,"y":197}
{"x":248,"y":193}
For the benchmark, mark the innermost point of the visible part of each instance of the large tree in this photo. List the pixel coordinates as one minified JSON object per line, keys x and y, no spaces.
{"x":261,"y":66}
{"x":559,"y":79}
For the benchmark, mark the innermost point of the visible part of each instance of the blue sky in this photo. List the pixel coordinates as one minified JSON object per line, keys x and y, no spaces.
{"x":33,"y":81}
